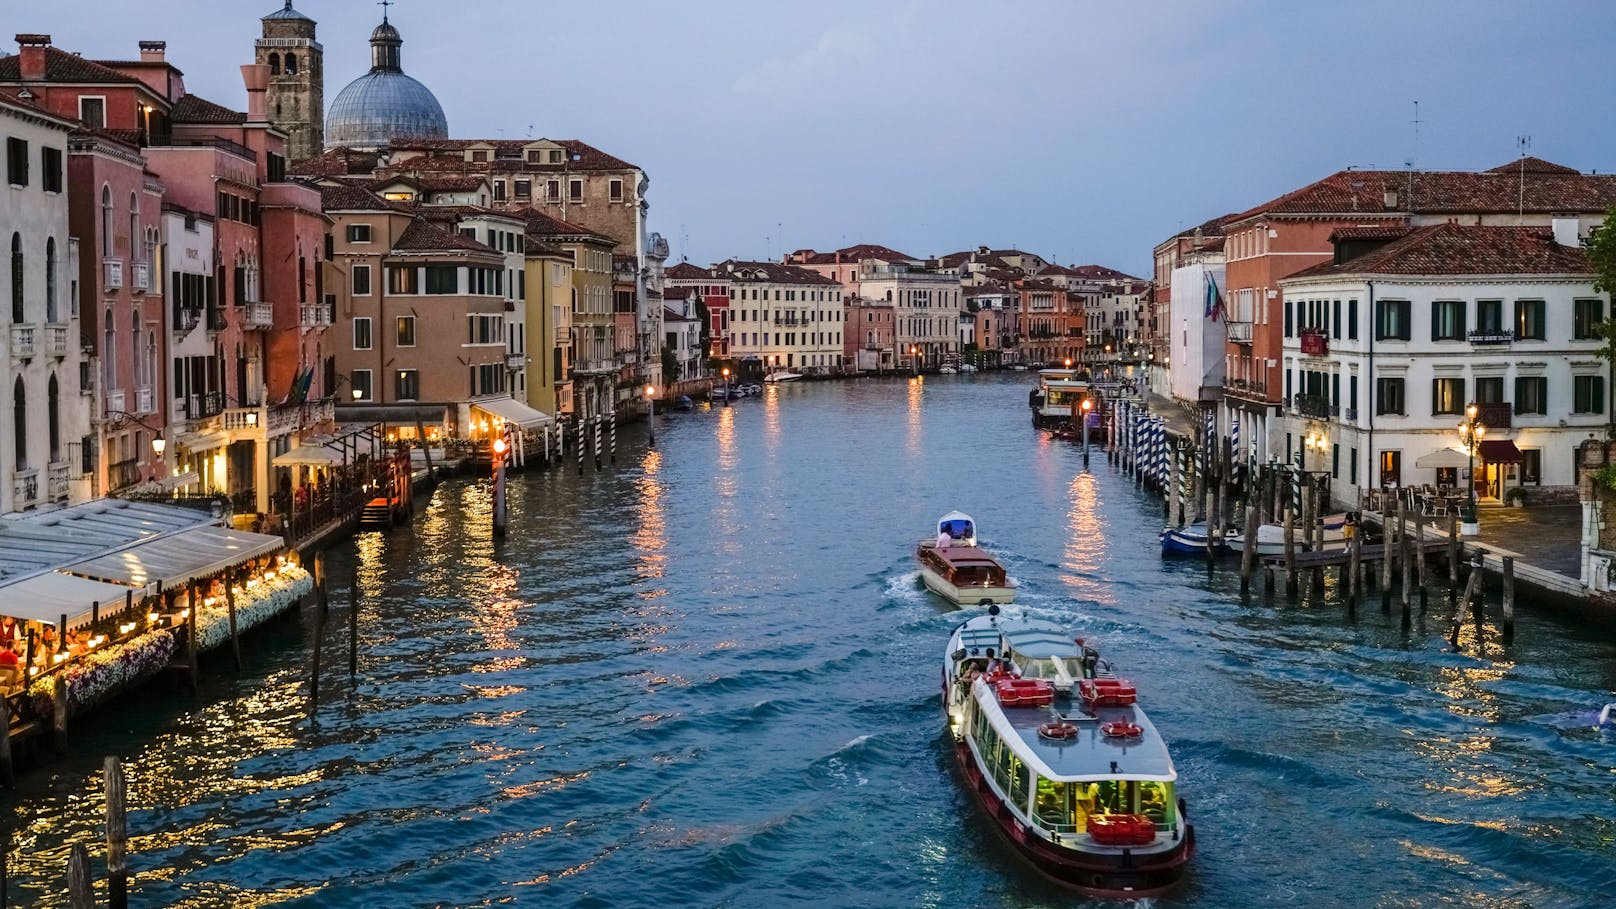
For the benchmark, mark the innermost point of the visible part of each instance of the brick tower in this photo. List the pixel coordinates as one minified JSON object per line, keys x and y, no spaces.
{"x":296,"y":97}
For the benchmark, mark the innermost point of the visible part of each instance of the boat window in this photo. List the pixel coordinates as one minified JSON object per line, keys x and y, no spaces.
{"x":1055,"y":806}
{"x":1109,"y":797}
{"x":1155,"y":802}
{"x":1014,"y":780}
{"x":958,"y":530}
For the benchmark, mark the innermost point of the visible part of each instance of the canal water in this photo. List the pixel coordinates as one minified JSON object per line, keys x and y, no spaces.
{"x":708,"y":677}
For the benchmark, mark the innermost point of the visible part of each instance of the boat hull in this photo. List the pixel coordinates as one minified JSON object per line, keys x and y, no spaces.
{"x":1115,"y":872}
{"x":968,"y":596}
{"x":1183,"y":541}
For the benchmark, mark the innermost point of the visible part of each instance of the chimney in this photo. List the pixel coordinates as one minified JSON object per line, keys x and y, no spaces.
{"x":1565,"y":232}
{"x":256,"y":76}
{"x":1389,"y":197}
{"x":31,"y":56}
{"x":153,"y":51}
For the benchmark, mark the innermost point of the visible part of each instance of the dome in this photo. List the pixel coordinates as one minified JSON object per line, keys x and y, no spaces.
{"x":288,"y":13}
{"x":381,"y":106}
{"x":384,"y":104}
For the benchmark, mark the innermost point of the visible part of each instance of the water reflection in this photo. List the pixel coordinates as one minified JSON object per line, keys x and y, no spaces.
{"x":917,"y":394}
{"x":1086,"y":542}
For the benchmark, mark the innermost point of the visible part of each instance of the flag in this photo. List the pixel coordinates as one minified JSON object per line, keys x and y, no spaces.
{"x":1214,"y":300}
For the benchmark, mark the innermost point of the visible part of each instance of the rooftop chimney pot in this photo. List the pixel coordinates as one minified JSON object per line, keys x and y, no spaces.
{"x":153,"y":51}
{"x":31,"y":56}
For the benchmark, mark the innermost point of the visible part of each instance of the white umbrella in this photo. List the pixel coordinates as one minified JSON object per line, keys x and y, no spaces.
{"x":1443,"y":457}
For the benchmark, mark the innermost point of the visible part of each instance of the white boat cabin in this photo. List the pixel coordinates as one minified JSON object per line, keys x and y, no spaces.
{"x":957,"y":529}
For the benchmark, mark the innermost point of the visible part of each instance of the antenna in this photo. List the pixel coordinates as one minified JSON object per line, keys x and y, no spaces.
{"x":1524,"y":143}
{"x":1416,"y":136}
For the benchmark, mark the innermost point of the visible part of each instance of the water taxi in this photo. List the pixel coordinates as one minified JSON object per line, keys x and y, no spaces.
{"x":1063,"y":760}
{"x":1334,"y":536}
{"x":951,"y":564}
{"x":784,"y":375}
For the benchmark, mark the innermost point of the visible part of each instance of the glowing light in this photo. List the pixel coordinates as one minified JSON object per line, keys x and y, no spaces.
{"x":499,"y":445}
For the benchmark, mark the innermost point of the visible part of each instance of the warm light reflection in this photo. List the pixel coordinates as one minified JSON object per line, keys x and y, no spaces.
{"x":650,"y":534}
{"x":1085,"y":541}
{"x":915,"y":397}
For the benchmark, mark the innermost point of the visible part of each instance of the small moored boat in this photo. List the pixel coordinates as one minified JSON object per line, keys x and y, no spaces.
{"x":953,"y":565}
{"x":1271,"y":537}
{"x":782,"y":376}
{"x":1191,"y":539}
{"x":1067,"y":766}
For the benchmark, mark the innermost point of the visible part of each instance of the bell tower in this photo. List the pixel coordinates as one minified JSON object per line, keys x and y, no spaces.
{"x":295,"y":102}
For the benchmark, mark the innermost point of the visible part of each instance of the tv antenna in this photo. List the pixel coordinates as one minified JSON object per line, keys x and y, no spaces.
{"x":1416,"y":122}
{"x":1523,"y":144}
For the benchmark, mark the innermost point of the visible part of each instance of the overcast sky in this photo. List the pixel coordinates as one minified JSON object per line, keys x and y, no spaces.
{"x":1084,"y":131}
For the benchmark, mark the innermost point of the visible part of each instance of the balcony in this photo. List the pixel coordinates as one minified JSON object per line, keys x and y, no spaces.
{"x":1316,"y":406}
{"x":25,"y":488}
{"x":216,"y":319}
{"x":1250,"y":389}
{"x":58,"y":474}
{"x":1314,"y":343}
{"x":1239,"y":332}
{"x":1490,"y":336}
{"x":22,"y":341}
{"x":56,"y":341}
{"x":186,"y":320}
{"x":112,"y":273}
{"x":141,"y":277}
{"x":257,"y":315}
{"x":115,"y":401}
{"x":145,"y":401}
{"x":202,"y":406}
{"x":1497,"y":415}
{"x":123,"y":474}
{"x":515,"y":361}
{"x":314,"y":315}
{"x":274,"y":422}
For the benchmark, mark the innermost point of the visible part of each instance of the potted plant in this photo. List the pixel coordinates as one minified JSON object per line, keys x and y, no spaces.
{"x":1515,"y":497}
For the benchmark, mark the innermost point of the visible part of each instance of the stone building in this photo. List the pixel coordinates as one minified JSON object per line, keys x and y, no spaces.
{"x":296,"y":98}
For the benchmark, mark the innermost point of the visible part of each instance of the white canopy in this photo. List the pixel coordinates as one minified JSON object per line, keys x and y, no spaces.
{"x":49,"y":596}
{"x":513,"y":412}
{"x":1442,"y":457}
{"x":307,"y":453}
{"x":175,"y":559}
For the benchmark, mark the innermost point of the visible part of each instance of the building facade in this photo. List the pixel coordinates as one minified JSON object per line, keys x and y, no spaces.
{"x":784,"y":318}
{"x":296,"y":62}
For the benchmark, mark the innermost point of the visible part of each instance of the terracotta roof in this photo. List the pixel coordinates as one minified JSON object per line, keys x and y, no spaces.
{"x":194,"y":109}
{"x":9,"y":98}
{"x":771,"y":273}
{"x":61,"y":66}
{"x":1102,"y":273}
{"x":338,"y":162}
{"x":424,"y":236}
{"x":1371,"y":232}
{"x":580,"y":155}
{"x":852,"y":254}
{"x":433,"y":183}
{"x":1454,"y":249}
{"x":684,"y":271}
{"x":351,"y":198}
{"x":1548,"y":188}
{"x":543,"y":225}
{"x":988,"y":290}
{"x":455,"y":212}
{"x":1533,"y":166}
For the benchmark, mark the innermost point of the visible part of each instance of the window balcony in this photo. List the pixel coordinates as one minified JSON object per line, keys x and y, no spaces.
{"x":515,"y":361}
{"x":145,"y":401}
{"x":25,"y":487}
{"x":141,"y":277}
{"x":22,"y":341}
{"x":1490,"y":336}
{"x":56,"y":341}
{"x":314,"y":315}
{"x":1239,"y":332}
{"x":1316,"y":406}
{"x":123,"y":474}
{"x":112,"y":273}
{"x":257,"y":315}
{"x":115,"y":401}
{"x":57,"y":477}
{"x":185,"y":320}
{"x":202,"y":406}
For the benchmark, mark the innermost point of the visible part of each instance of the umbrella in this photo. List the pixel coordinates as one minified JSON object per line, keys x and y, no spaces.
{"x":1442,"y":457}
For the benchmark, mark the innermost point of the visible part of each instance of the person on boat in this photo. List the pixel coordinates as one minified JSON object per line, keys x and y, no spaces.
{"x":944,"y":539}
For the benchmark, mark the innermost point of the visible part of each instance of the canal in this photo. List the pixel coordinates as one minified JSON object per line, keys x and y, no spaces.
{"x":707,"y":676}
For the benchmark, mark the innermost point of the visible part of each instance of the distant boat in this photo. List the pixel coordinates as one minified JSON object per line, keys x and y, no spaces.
{"x":1190,"y":539}
{"x":683,"y":402}
{"x":1017,"y":367}
{"x":947,"y":371}
{"x":966,"y":367}
{"x":782,"y":376}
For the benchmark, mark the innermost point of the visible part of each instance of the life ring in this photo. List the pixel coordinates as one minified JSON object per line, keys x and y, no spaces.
{"x":1121,"y":730}
{"x":1058,"y":731}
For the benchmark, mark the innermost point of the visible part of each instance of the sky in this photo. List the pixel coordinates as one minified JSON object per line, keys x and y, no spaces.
{"x":1084,"y":131}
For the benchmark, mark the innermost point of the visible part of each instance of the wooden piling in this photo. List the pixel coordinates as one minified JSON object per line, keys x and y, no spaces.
{"x":353,"y":619}
{"x":319,"y":631}
{"x":7,"y":776}
{"x":1406,"y":558}
{"x":190,"y":639}
{"x":1290,"y":552}
{"x":59,"y":715}
{"x":1471,"y":586}
{"x":1509,"y":599}
{"x":230,"y":604}
{"x":117,"y":835}
{"x":1248,"y":552}
{"x":1453,"y":558}
{"x":80,"y":889}
{"x":1354,"y":570}
{"x":1419,"y":557}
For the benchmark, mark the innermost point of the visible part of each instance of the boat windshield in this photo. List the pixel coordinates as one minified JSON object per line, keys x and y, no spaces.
{"x":1065,"y":807}
{"x":1065,"y":397}
{"x":958,"y":529}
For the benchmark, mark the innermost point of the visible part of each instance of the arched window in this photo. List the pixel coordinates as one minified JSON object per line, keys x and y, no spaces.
{"x":134,"y":227}
{"x":151,"y":253}
{"x":274,"y":64}
{"x":51,"y":315}
{"x":54,"y":421}
{"x":134,"y":349}
{"x":106,"y":222}
{"x":302,"y":280}
{"x":151,"y":360}
{"x":277,"y":108}
{"x":291,"y":64}
{"x":109,"y":354}
{"x":19,"y":426}
{"x":16,"y":279}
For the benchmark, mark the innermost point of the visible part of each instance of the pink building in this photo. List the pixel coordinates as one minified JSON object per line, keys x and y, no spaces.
{"x":870,"y":341}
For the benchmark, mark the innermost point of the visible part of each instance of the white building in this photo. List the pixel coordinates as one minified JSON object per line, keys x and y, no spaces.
{"x":927,"y":306}
{"x":681,"y":330}
{"x":1197,"y":337}
{"x":783,"y":317}
{"x":48,"y":388}
{"x":1385,"y":349}
{"x":195,"y":364}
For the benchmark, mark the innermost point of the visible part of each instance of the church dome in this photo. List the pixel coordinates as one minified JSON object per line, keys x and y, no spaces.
{"x":384,"y":104}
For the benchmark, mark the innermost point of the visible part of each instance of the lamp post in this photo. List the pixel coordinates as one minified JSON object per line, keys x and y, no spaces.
{"x":650,"y":412}
{"x":1471,"y":432}
{"x":499,"y":486}
{"x":1088,"y":404}
{"x":726,"y":386}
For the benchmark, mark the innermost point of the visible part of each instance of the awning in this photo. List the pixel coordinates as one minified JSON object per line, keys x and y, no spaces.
{"x":1443,"y":457}
{"x":49,"y":596}
{"x":514,"y":412}
{"x":199,"y":442}
{"x":1498,"y":451}
{"x":307,"y":453}
{"x":181,"y":557}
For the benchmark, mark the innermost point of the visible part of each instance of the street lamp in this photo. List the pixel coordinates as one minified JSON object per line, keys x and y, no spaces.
{"x":1471,"y":431}
{"x":726,"y":386}
{"x":914,"y":357}
{"x":650,"y":411}
{"x":358,"y":394}
{"x":1314,"y":442}
{"x":499,"y":485}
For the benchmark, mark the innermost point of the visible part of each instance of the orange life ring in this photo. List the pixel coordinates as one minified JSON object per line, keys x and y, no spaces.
{"x":1058,"y":731}
{"x":1121,"y":730}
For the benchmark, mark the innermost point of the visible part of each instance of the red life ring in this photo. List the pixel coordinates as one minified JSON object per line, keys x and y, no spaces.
{"x":1058,"y":731}
{"x":1121,"y":730}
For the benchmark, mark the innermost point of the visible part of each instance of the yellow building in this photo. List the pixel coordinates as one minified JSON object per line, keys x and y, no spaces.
{"x":549,"y":328}
{"x":593,"y":354}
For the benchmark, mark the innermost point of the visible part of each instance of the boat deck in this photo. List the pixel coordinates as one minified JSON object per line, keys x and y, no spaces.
{"x":1090,"y":753}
